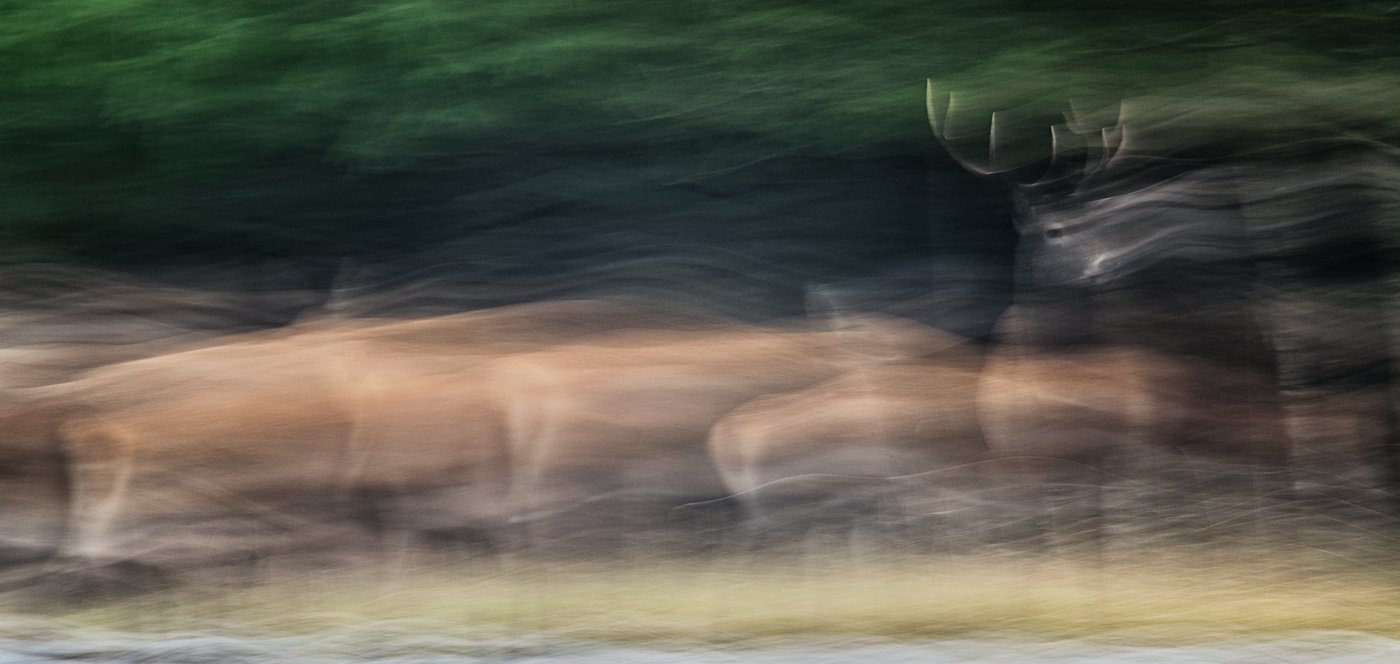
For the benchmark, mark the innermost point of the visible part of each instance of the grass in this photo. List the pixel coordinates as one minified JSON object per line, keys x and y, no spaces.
{"x":1183,"y":596}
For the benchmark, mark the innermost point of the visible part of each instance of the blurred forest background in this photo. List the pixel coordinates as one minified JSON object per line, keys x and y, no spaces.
{"x":751,"y":148}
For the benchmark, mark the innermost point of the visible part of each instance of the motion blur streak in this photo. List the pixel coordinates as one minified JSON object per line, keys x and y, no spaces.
{"x":1151,"y":223}
{"x":271,"y":429}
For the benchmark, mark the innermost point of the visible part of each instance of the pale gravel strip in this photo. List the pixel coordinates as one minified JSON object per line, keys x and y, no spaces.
{"x":39,"y":643}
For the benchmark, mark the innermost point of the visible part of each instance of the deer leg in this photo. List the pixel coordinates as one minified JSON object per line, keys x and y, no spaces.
{"x":101,"y":462}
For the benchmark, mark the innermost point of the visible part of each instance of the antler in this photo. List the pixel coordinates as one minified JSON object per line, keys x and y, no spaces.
{"x":1006,"y":158}
{"x":1102,"y":130}
{"x":939,"y":120}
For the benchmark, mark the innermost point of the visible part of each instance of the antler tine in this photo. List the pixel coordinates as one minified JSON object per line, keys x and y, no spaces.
{"x":1062,"y":139}
{"x":991,"y":143}
{"x":932,"y":110}
{"x":1107,"y":142}
{"x":1085,"y":118}
{"x":1075,"y":120}
{"x":1113,"y":139}
{"x":1118,"y":116}
{"x":1060,"y":136}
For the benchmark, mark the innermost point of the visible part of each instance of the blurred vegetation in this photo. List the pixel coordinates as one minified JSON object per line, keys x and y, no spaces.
{"x":138,"y":130}
{"x":1145,"y":597}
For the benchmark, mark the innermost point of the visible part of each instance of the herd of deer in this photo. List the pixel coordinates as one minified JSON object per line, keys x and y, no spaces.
{"x":559,"y":418}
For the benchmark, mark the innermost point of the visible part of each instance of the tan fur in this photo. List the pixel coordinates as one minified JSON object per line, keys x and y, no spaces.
{"x":628,"y":414}
{"x":880,"y":423}
{"x":279,"y":427}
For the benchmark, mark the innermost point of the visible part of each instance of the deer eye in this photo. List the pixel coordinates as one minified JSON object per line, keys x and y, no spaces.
{"x":1052,"y":233}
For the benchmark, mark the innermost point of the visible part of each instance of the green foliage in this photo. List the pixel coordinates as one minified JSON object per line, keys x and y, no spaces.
{"x":194,"y":124}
